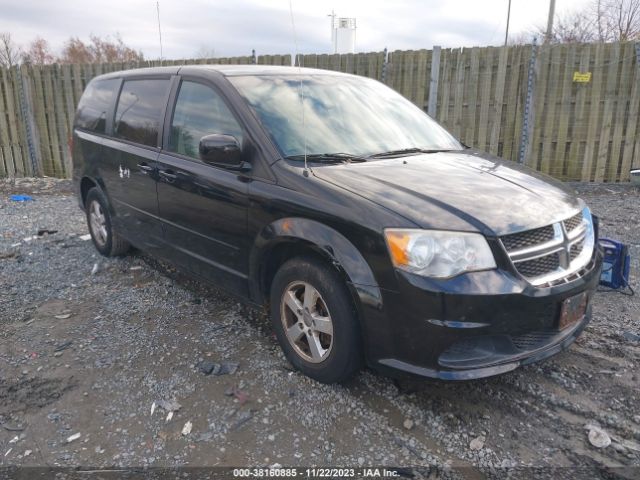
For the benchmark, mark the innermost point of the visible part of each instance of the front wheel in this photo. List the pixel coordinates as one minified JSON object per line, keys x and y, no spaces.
{"x":315,"y":320}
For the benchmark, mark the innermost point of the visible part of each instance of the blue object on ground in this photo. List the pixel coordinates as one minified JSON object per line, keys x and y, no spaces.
{"x":21,"y":198}
{"x":615,"y":268}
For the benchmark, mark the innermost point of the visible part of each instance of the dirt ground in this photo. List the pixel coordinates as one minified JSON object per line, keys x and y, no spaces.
{"x":101,"y":366}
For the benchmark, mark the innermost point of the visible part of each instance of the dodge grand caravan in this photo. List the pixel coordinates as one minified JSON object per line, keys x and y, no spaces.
{"x":371,"y":234}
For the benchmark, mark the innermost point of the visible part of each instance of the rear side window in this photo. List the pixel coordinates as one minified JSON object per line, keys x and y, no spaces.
{"x":139,"y":109}
{"x":199,"y":111}
{"x":95,"y":103}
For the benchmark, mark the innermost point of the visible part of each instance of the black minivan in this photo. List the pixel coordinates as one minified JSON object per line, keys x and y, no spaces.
{"x":371,"y":233}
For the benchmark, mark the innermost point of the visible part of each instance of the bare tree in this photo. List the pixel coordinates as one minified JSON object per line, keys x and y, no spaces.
{"x":39,"y":52}
{"x":205,"y":52}
{"x":602,"y":21}
{"x":617,"y":20}
{"x":10,"y":52}
{"x":576,"y":27}
{"x":98,"y":51}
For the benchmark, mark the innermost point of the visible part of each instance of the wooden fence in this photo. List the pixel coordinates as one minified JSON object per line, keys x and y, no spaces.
{"x":568,"y":110}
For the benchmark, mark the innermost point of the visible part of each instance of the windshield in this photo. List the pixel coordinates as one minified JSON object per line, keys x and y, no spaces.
{"x":351,"y":115}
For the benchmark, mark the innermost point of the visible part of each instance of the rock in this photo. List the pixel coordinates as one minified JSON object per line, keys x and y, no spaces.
{"x":598,"y":437}
{"x":186,"y":430}
{"x":477,"y":443}
{"x":631,"y":337}
{"x":208,"y":367}
{"x":360,"y":461}
{"x":408,"y":424}
{"x":73,"y":437}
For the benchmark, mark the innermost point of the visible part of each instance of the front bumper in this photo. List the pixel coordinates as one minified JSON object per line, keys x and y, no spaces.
{"x":473,"y":326}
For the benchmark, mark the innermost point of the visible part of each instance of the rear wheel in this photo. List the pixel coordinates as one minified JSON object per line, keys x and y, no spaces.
{"x":315,"y":321}
{"x":106,"y":241}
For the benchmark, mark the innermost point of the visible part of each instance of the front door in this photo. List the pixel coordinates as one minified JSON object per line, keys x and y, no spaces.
{"x":203,"y":207}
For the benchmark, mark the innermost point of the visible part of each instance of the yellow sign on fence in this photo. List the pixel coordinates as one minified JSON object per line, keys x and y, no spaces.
{"x":580,"y":77}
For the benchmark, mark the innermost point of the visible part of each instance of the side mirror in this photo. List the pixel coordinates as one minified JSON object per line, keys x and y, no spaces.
{"x":220,"y":150}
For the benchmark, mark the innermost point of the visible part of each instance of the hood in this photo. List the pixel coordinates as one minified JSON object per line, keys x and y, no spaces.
{"x":465,"y":191}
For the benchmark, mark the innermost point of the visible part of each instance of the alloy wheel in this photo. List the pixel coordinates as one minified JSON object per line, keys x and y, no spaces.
{"x":98,"y":223}
{"x":307,"y":322}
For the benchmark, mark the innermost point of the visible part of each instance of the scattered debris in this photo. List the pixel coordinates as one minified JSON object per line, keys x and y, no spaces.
{"x":238,"y":394}
{"x":598,"y":437}
{"x":137,"y":267}
{"x":14,"y":439}
{"x":26,"y":453}
{"x":169,"y":417}
{"x":153,"y":408}
{"x":63,"y":346}
{"x":186,"y":430}
{"x":632,"y":337}
{"x":11,"y":428}
{"x":85,"y":237}
{"x":46,"y":231}
{"x":21,"y":198}
{"x":8,"y":451}
{"x":168,"y":405}
{"x":408,"y":424}
{"x":477,"y":443}
{"x":73,"y":437}
{"x":28,"y":239}
{"x":217,"y":369}
{"x":242,"y":419}
{"x":5,"y":255}
{"x":62,"y":316}
{"x":96,"y":267}
{"x":208,"y":367}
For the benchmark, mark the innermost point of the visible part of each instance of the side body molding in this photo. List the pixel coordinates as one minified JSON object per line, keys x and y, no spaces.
{"x":327,"y":241}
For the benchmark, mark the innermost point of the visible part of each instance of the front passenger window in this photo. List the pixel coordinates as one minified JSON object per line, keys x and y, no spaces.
{"x":199,"y":111}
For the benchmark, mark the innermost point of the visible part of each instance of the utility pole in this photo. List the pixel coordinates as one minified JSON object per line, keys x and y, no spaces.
{"x":552,"y":14}
{"x":334,"y":43}
{"x":506,"y":33}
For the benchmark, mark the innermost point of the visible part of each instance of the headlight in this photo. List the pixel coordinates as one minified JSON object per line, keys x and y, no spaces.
{"x":438,"y":254}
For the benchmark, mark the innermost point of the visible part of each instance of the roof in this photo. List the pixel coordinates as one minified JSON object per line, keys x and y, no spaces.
{"x":226,"y":70}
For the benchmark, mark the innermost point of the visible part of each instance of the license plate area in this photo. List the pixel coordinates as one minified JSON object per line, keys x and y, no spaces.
{"x":572,"y":310}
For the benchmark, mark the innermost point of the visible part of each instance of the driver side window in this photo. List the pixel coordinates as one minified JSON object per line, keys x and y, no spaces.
{"x":199,"y":111}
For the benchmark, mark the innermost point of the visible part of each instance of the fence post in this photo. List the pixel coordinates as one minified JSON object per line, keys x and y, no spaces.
{"x":384,"y":65}
{"x":26,"y":107}
{"x":432,"y":103}
{"x":253,"y":57}
{"x":527,"y":122}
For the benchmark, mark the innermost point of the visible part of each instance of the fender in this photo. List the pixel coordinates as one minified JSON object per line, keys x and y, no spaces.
{"x":332,"y":244}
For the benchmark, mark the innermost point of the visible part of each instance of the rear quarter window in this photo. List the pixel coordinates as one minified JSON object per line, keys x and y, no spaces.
{"x":139,"y":111}
{"x":94,"y":105}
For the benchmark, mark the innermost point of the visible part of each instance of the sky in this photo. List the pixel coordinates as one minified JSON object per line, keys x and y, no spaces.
{"x":235,"y":27}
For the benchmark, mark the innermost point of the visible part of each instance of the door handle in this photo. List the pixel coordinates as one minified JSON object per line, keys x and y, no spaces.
{"x":145,"y":167}
{"x":169,"y":175}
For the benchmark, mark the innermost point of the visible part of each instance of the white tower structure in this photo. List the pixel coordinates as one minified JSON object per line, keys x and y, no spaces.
{"x":343,"y":34}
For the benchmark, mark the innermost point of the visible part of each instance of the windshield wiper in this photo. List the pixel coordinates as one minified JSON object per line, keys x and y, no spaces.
{"x":337,"y":157}
{"x":408,"y":151}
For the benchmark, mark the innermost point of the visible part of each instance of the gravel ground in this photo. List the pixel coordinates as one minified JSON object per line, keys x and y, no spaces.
{"x":94,"y":353}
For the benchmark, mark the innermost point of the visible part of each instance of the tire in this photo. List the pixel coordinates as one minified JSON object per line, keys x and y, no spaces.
{"x":327,"y":358}
{"x":106,"y":241}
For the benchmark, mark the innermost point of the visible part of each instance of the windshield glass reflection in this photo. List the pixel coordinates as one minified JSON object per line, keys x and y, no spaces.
{"x":354,"y":115}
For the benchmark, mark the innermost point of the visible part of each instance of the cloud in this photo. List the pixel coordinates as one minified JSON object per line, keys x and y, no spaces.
{"x":237,"y":27}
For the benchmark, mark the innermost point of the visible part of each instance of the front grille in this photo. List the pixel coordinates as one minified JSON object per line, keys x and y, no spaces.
{"x":530,"y":238}
{"x":543,"y":255}
{"x":573,"y":222}
{"x":576,"y":249}
{"x":538,"y":266}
